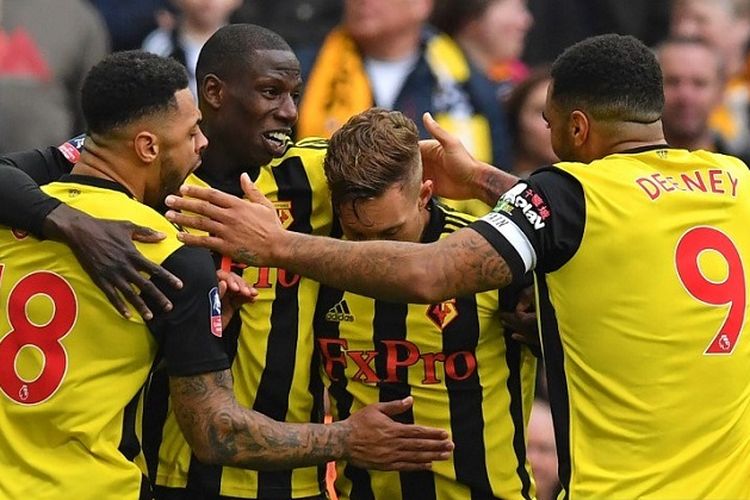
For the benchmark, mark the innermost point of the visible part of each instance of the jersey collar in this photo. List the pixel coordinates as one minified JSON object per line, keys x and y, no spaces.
{"x":96,"y":182}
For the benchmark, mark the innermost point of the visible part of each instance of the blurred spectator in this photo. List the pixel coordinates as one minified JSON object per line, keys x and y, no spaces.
{"x":301,"y":22}
{"x":561,"y":23}
{"x":46,"y":48}
{"x":541,"y":451}
{"x":532,"y":145}
{"x":693,"y":86}
{"x":197,"y":20}
{"x":129,"y":22}
{"x":725,"y":26}
{"x":491,"y":32}
{"x":384,"y":54}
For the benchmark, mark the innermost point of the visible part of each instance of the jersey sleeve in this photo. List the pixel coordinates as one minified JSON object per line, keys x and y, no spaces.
{"x":538,"y":223}
{"x":24,"y":205}
{"x":190,"y":335}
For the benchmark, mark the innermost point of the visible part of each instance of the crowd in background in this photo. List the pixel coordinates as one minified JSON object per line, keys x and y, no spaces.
{"x":479,"y":66}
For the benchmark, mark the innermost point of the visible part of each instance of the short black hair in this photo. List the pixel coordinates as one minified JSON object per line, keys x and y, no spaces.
{"x":229,"y":50}
{"x":125,"y":86}
{"x":611,"y":77}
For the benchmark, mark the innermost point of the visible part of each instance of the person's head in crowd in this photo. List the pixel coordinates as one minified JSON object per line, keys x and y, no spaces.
{"x":248,"y":89}
{"x":142,"y":124}
{"x":605,"y":91}
{"x":490,"y":31}
{"x":542,"y":452}
{"x":374,"y":173}
{"x":386,"y":29}
{"x":205,"y":15}
{"x":532,"y":145}
{"x":723,"y":24}
{"x":693,"y":86}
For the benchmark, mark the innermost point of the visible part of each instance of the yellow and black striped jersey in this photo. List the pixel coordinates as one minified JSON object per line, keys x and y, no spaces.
{"x":642,"y":273}
{"x":465,"y":375}
{"x":72,"y":369}
{"x":274,"y":369}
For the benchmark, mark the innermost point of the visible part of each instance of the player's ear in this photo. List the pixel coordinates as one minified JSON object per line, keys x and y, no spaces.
{"x":425,"y":193}
{"x":212,"y":90}
{"x":580,"y":127}
{"x":146,"y":146}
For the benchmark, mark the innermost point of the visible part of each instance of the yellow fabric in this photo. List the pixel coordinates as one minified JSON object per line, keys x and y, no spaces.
{"x":652,"y":415}
{"x":250,"y":362}
{"x":66,"y":445}
{"x":337,"y":89}
{"x":437,"y":386}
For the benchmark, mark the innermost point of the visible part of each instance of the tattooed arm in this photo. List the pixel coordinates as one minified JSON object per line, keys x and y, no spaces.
{"x":220,"y":431}
{"x":464,"y":262}
{"x":457,"y":265}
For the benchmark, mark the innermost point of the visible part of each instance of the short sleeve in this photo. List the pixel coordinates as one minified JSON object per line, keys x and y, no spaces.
{"x":190,"y":335}
{"x":538,"y":223}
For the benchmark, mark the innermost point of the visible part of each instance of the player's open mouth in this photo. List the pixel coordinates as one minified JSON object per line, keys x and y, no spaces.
{"x":275,"y":141}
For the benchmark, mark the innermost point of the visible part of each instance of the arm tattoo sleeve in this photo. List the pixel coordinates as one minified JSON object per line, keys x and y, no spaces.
{"x":460,"y":264}
{"x":221,"y":431}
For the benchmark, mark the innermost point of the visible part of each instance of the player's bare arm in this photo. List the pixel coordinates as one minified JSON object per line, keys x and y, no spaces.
{"x":222,"y":432}
{"x":251,"y":233}
{"x":455,"y":173}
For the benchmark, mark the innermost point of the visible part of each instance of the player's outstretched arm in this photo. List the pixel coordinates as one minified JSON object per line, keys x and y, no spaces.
{"x":462,"y":263}
{"x":104,"y":248}
{"x":455,"y":174}
{"x":221,"y":432}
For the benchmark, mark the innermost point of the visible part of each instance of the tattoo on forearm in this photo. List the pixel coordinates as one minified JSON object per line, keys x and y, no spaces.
{"x":460,"y":264}
{"x":221,"y":431}
{"x":246,"y":256}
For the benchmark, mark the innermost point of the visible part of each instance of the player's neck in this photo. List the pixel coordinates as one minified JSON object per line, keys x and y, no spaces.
{"x":624,"y":137}
{"x":220,"y":167}
{"x":110,"y":162}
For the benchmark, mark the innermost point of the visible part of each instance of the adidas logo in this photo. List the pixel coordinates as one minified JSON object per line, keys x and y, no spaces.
{"x":340,"y":312}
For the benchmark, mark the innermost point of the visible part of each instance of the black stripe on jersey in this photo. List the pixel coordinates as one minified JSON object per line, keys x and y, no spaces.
{"x":389,"y":323}
{"x":456,"y":219}
{"x":276,"y":380}
{"x":556,"y":381}
{"x":513,"y":350}
{"x":465,"y":402}
{"x":155,"y":406}
{"x":129,"y":446}
{"x":327,"y":299}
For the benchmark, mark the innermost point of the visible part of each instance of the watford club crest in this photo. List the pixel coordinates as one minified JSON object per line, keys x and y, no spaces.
{"x":284,"y":211}
{"x":443,"y":313}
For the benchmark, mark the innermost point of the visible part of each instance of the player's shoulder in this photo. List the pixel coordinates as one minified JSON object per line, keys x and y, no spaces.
{"x":104,"y":202}
{"x":311,"y":151}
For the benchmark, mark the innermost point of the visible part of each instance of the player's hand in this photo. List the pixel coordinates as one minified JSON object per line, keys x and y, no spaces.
{"x":522,"y":320}
{"x":106,"y":252}
{"x":233,"y":291}
{"x":454,"y":172}
{"x":246,"y":230}
{"x":375,"y":441}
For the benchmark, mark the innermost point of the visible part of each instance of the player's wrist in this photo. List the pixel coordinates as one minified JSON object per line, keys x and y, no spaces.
{"x":339,"y":433}
{"x":280,"y":250}
{"x":59,"y":223}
